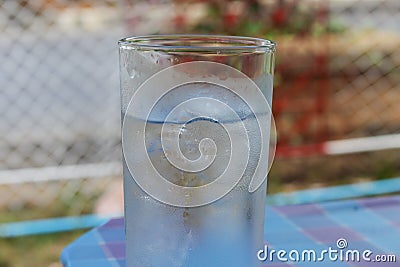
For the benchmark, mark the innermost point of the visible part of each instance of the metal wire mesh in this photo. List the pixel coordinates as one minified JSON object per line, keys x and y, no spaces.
{"x":59,"y":101}
{"x":59,"y":85}
{"x":365,"y":69}
{"x":358,"y":97}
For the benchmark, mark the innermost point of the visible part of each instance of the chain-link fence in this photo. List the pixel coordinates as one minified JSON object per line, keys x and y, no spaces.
{"x":336,"y":86}
{"x":365,"y":70}
{"x":59,"y":103}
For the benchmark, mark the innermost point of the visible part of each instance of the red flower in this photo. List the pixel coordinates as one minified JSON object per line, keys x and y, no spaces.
{"x":230,"y":20}
{"x":179,"y":21}
{"x":280,"y":16}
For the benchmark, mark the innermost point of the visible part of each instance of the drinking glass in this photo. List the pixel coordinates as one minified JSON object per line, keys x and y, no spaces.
{"x":196,"y":124}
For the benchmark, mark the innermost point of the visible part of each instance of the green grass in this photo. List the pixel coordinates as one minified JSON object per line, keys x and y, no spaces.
{"x":41,"y":250}
{"x":35,"y":251}
{"x":290,"y":174}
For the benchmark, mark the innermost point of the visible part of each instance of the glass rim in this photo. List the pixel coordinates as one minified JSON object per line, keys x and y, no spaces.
{"x":214,"y":43}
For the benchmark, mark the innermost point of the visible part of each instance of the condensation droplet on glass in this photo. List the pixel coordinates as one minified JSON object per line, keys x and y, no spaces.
{"x":171,"y":60}
{"x":132,"y":73}
{"x":223,"y":76}
{"x":182,"y":130}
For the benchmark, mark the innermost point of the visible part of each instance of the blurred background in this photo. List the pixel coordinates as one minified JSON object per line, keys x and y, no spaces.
{"x":336,"y":95}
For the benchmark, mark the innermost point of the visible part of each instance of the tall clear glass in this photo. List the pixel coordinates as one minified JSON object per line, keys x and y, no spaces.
{"x":196,"y":125}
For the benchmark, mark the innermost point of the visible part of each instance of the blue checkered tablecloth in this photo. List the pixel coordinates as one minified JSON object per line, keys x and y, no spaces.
{"x":363,"y":224}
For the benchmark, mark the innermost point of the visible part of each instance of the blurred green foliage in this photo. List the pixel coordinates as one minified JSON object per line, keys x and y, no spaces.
{"x":265,"y":19}
{"x":42,"y":250}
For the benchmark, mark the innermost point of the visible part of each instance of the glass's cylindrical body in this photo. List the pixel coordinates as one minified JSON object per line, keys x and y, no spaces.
{"x":195,"y":113}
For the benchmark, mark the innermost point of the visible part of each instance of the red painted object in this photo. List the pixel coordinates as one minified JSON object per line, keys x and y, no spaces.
{"x":301,"y":92}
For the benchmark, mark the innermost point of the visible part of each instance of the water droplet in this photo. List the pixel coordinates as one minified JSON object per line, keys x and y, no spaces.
{"x":182,"y":130}
{"x":133,"y":73}
{"x":223,"y":76}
